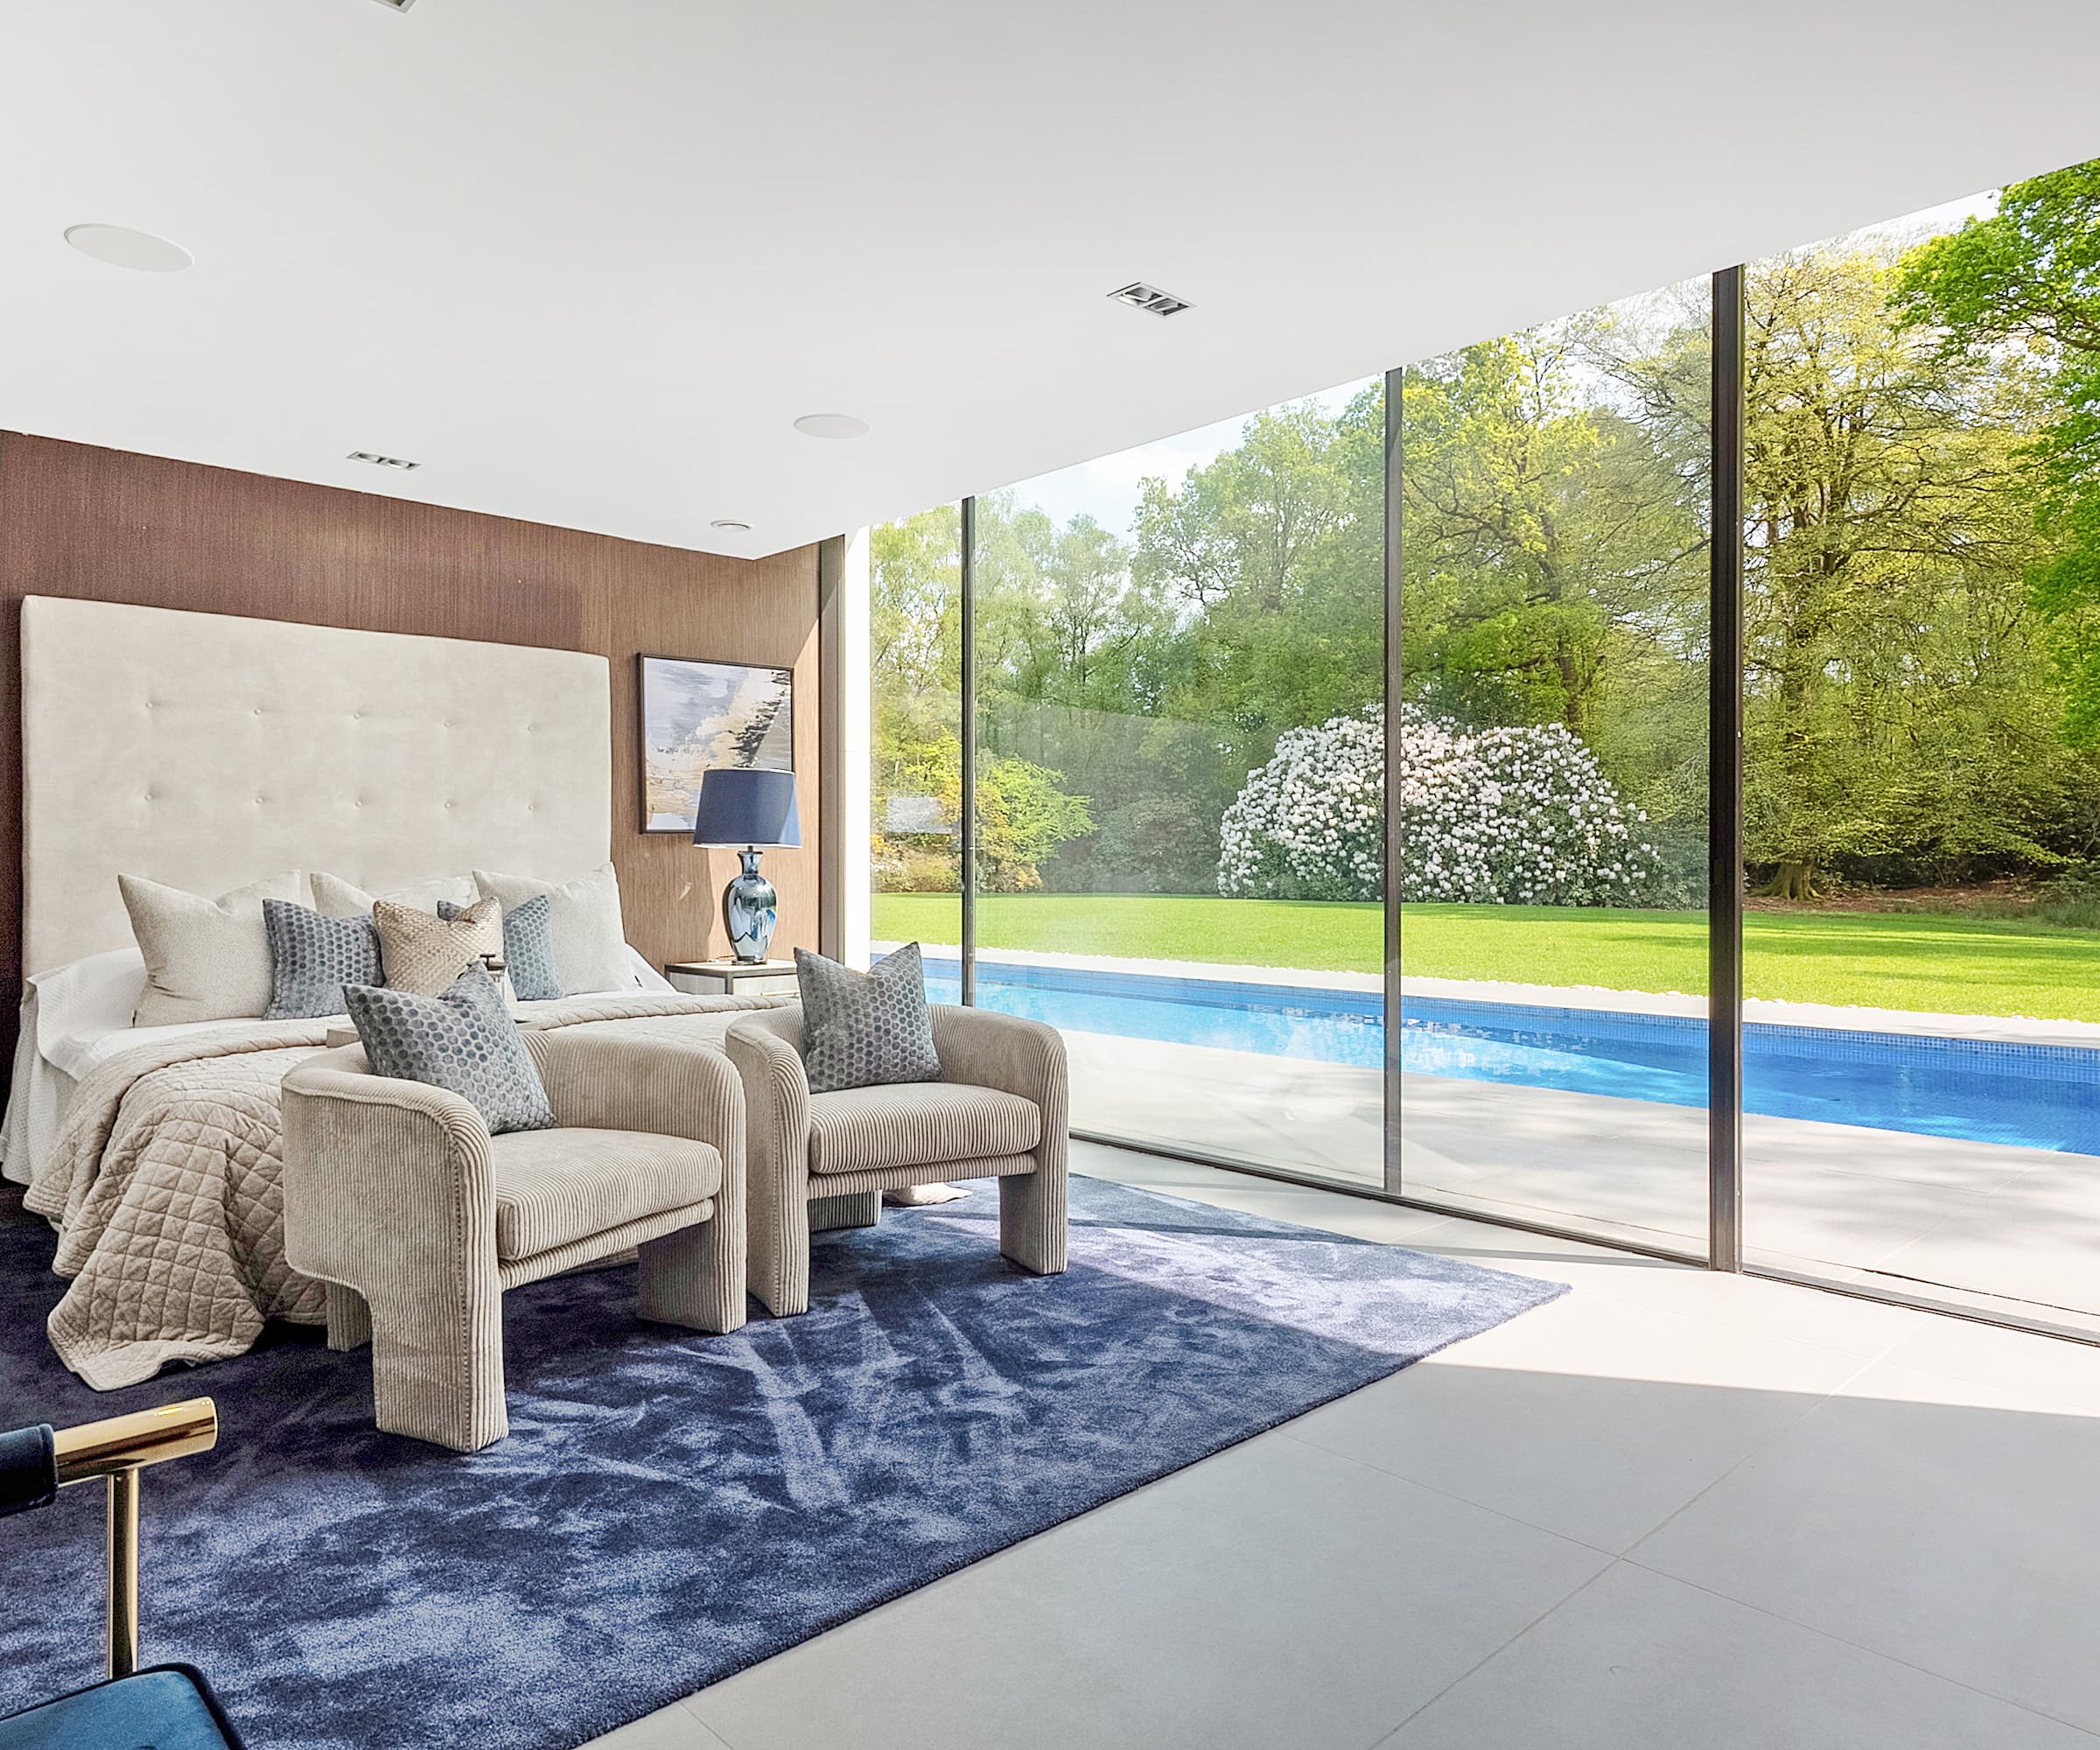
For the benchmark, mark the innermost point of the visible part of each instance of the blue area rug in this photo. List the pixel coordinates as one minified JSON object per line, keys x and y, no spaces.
{"x":670,"y":1508}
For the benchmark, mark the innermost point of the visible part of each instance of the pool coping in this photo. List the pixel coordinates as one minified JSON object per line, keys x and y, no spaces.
{"x":2009,"y":1029}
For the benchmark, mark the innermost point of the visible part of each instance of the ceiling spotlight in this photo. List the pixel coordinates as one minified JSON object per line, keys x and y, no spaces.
{"x":1139,"y":296}
{"x":730,"y":525}
{"x":831,"y":425}
{"x":122,"y":247}
{"x":380,"y":461}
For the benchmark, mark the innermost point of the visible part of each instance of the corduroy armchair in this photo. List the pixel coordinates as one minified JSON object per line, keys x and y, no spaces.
{"x":998,"y":1112}
{"x":416,"y":1219}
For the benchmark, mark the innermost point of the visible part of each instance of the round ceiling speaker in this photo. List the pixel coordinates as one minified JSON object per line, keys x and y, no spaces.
{"x":122,"y":247}
{"x":831,"y":425}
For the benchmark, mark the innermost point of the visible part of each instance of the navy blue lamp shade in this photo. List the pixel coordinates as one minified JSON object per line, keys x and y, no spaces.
{"x":742,"y":809}
{"x":738,"y":807}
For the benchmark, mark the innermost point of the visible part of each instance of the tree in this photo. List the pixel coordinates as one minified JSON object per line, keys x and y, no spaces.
{"x":1889,"y":679}
{"x":2028,"y":276}
{"x":1023,"y":812}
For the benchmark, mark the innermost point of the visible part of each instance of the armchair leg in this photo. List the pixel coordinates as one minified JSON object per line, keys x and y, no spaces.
{"x":1032,"y":1219}
{"x":349,"y":1319}
{"x":695,"y":1277}
{"x":853,"y":1209}
{"x":780,"y":1252}
{"x":437,"y":1375}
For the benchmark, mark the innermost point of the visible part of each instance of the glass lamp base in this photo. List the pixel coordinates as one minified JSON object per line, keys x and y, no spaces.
{"x":750,"y":912}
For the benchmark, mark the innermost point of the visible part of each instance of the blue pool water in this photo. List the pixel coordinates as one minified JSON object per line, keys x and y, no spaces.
{"x":2036,"y":1096}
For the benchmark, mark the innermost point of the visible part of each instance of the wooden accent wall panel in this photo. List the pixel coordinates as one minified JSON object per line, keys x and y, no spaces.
{"x":107,"y":525}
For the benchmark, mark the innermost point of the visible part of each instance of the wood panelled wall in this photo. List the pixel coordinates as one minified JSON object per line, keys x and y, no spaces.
{"x":76,"y":520}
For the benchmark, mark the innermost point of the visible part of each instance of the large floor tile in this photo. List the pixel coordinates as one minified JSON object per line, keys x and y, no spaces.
{"x":1638,"y":1662}
{"x":1359,"y":1217}
{"x":2036,"y":1238}
{"x":1946,"y":1523}
{"x":1274,"y":1595}
{"x":675,"y":1727}
{"x":1590,"y":1417}
{"x":2065,"y":1373}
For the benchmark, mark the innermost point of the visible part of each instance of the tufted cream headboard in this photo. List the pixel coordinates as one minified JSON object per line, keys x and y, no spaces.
{"x":208,"y":752}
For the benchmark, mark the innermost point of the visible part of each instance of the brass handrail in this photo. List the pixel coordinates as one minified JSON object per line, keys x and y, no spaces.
{"x":118,"y":1449}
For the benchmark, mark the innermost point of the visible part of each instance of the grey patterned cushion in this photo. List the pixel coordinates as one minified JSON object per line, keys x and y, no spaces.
{"x":463,"y":1040}
{"x":865,"y":1029}
{"x":527,"y":948}
{"x":312,"y":957}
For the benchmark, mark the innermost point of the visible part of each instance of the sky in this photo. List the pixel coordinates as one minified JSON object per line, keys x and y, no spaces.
{"x":1107,"y":487}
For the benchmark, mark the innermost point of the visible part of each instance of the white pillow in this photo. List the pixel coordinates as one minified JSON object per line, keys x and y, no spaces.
{"x":590,"y":941}
{"x":336,"y":898}
{"x":207,"y":960}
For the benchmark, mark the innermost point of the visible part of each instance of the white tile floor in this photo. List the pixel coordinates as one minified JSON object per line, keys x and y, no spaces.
{"x":1669,"y":1508}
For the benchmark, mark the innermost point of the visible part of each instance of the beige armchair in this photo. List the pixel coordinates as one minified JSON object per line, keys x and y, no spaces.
{"x":416,"y":1219}
{"x":1000,"y":1112}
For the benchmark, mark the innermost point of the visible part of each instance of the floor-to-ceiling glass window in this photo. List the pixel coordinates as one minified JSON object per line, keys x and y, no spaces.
{"x":915,"y":653}
{"x":1179,"y":676}
{"x":1921,"y":1048}
{"x":1552,"y":789}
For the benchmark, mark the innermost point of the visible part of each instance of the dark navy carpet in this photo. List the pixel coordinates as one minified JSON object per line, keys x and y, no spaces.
{"x":670,"y":1508}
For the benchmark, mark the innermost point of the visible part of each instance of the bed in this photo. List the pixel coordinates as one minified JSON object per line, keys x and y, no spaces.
{"x":204,"y":750}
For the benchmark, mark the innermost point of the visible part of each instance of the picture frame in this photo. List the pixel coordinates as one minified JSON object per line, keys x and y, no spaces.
{"x":694,"y":713}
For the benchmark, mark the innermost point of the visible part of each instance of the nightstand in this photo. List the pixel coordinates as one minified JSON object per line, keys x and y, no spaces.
{"x":732,"y":977}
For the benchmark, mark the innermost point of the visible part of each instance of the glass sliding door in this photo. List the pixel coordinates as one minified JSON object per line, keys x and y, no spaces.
{"x":1921,"y":1046}
{"x":1179,"y":682}
{"x":915,"y":651}
{"x":1552,"y":782}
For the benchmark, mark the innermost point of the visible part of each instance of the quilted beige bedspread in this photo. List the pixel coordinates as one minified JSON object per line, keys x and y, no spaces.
{"x":165,"y":1186}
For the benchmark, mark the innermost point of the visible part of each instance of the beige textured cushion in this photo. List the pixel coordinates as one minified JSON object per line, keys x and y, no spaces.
{"x":422,"y":954}
{"x":207,"y":960}
{"x":336,"y":898}
{"x":915,"y":1123}
{"x":590,"y":941}
{"x":553,"y":1186}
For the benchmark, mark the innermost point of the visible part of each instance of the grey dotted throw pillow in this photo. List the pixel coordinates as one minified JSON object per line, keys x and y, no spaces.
{"x":312,"y":957}
{"x":865,"y":1029}
{"x":462,"y":1039}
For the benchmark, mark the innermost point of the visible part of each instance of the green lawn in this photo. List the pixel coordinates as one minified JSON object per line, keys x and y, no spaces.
{"x":1894,"y":960}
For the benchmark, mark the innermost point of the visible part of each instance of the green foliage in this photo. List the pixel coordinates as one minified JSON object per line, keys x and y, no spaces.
{"x":2026,"y":280}
{"x":1024,"y":814}
{"x":1899,"y":719}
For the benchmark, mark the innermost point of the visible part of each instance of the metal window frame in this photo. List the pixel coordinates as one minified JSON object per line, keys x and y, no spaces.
{"x":1725,"y":785}
{"x":967,"y":735}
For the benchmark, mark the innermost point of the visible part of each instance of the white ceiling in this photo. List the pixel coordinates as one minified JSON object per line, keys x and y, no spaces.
{"x":588,"y":261}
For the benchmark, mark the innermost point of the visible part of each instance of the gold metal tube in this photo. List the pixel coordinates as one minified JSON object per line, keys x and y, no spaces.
{"x":145,"y":1436}
{"x":124,"y":1572}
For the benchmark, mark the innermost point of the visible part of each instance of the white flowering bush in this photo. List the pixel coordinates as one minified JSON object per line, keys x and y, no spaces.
{"x":1496,"y":817}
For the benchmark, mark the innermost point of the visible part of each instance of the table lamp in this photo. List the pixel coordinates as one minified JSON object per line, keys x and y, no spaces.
{"x":743,"y":810}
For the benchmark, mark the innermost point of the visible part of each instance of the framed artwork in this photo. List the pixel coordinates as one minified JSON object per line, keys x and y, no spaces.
{"x":695,"y":715}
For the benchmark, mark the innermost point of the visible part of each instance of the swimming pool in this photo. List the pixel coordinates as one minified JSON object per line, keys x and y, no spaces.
{"x":2034,"y":1095}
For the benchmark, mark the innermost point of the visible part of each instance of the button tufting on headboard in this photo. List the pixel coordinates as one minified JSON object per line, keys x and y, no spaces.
{"x":258,"y":746}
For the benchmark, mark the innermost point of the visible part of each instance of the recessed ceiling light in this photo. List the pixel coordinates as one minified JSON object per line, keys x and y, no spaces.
{"x":1139,"y":296}
{"x":122,"y":247}
{"x":380,"y":461}
{"x":397,"y":5}
{"x":730,"y":525}
{"x":831,"y":425}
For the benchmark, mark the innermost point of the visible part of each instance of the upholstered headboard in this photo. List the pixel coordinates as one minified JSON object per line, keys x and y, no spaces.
{"x":208,"y":752}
